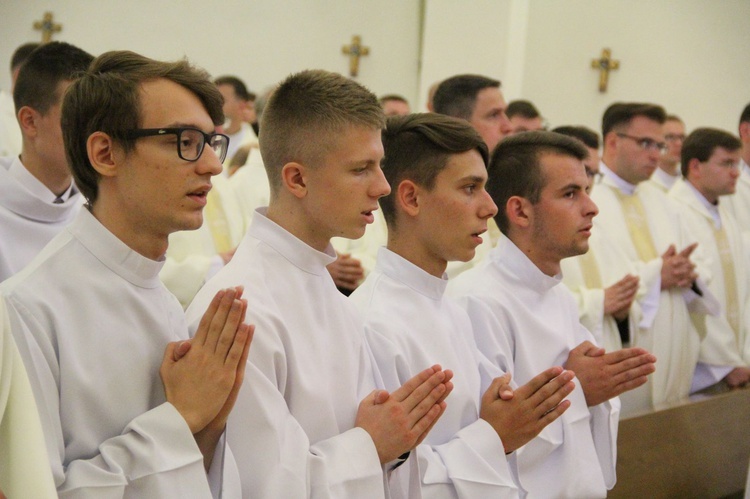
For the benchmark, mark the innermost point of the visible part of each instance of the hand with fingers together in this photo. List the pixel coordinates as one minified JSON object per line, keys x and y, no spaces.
{"x":604,"y":375}
{"x":202,"y":377}
{"x":521,"y":415}
{"x":399,"y":421}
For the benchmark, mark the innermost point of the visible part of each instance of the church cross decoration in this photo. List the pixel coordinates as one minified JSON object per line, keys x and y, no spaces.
{"x":355,"y":50}
{"x":604,"y":64}
{"x":47,"y":27}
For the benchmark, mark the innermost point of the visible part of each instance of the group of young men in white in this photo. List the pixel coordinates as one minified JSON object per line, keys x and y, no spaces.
{"x":273,"y":383}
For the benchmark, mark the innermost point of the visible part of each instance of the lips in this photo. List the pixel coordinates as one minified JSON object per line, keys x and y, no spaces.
{"x":199,"y":195}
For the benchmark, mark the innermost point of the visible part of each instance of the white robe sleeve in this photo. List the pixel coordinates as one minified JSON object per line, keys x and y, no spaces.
{"x":155,"y":451}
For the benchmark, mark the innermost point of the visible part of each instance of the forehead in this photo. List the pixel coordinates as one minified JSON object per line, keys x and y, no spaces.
{"x":226,"y":90}
{"x":488,"y":99}
{"x":463,"y":165}
{"x":352,"y":145}
{"x":674,"y":126}
{"x":643,"y":126}
{"x":721,"y":152}
{"x":561,"y":171}
{"x":164,"y":102}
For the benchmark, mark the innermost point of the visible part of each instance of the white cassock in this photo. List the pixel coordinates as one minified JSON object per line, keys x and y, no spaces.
{"x":308,"y":369}
{"x":29,"y":218}
{"x":587,"y":276}
{"x":24,"y":466}
{"x":663,"y":180}
{"x":738,"y":204}
{"x":525,"y":322}
{"x":193,"y":255}
{"x":665,"y":328}
{"x":11,"y":139}
{"x":250,"y":186}
{"x":410,"y":325}
{"x":92,"y":320}
{"x":725,"y":343}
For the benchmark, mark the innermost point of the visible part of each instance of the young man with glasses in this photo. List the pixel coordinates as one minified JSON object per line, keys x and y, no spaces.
{"x":710,"y":170}
{"x":94,"y":324}
{"x":668,"y":172}
{"x":644,"y":225}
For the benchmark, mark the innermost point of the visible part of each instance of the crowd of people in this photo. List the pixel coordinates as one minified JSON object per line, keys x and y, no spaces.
{"x":341,"y":298}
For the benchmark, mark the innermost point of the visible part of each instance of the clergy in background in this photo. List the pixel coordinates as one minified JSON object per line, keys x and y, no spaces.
{"x":94,"y":325}
{"x":525,"y":320}
{"x":738,"y":204}
{"x":10,"y":135}
{"x":638,"y":218}
{"x":437,"y":211}
{"x":37,"y":194}
{"x":311,"y":422}
{"x":668,"y":172}
{"x":710,"y":167}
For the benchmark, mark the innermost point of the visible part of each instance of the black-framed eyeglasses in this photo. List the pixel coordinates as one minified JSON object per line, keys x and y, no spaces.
{"x":190,"y":141}
{"x":645,"y":143}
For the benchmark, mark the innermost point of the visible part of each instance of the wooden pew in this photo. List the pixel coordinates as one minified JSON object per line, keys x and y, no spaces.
{"x":697,"y":448}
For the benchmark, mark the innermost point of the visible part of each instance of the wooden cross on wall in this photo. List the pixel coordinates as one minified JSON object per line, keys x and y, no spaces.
{"x":47,"y":27}
{"x":604,"y":64}
{"x":355,"y":50}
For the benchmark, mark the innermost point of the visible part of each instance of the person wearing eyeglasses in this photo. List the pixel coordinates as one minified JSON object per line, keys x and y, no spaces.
{"x":738,"y":204}
{"x":128,"y":407}
{"x":710,"y":170}
{"x":37,"y":195}
{"x":668,"y":172}
{"x":638,"y":219}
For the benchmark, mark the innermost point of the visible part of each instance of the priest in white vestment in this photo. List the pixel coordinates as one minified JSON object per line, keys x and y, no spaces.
{"x":94,"y":325}
{"x":438,"y":189}
{"x":668,"y":171}
{"x":37,"y":194}
{"x":10,"y":134}
{"x":646,"y":226}
{"x":525,"y":320}
{"x":24,"y":467}
{"x":711,"y":159}
{"x":308,"y":422}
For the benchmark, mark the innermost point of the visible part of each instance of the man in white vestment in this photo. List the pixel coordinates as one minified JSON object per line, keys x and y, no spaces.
{"x":668,"y":172}
{"x":478,"y":100}
{"x":525,"y":320}
{"x":94,"y":325}
{"x":24,"y":467}
{"x":437,"y":210}
{"x":710,"y":167}
{"x":37,"y":195}
{"x":394,"y":105}
{"x":738,"y":204}
{"x":313,"y":424}
{"x":524,"y":116}
{"x":638,"y":218}
{"x":10,"y":135}
{"x":605,"y":312}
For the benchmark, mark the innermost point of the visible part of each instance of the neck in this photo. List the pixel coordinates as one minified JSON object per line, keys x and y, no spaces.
{"x":291,"y":217}
{"x":56,"y":181}
{"x":746,"y":154}
{"x":548,"y":266}
{"x":410,"y":248}
{"x":709,"y":197}
{"x":135,"y":234}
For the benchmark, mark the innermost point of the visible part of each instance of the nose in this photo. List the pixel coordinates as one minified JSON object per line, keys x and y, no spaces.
{"x":506,"y":128}
{"x":489,"y":208}
{"x":591,"y":209}
{"x":379,"y":186}
{"x":208,"y":162}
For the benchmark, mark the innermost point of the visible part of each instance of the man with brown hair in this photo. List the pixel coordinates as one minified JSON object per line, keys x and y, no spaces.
{"x":638,"y":218}
{"x":312,"y":408}
{"x":668,"y":172}
{"x":95,"y":326}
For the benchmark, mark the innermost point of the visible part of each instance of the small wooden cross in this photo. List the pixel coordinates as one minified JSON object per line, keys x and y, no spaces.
{"x":604,"y":64}
{"x":355,"y":51}
{"x":47,"y":27}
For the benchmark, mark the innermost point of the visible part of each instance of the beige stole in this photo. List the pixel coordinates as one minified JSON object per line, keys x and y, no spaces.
{"x":730,"y":283}
{"x":635,"y":217}
{"x":590,"y":270}
{"x":216,"y":219}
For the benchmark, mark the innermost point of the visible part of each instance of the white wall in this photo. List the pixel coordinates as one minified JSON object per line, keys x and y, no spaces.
{"x":261,"y":41}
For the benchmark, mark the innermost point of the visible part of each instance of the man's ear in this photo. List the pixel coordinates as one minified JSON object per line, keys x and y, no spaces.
{"x":519,"y":212}
{"x":407,"y":197}
{"x":101,"y":151}
{"x":27,"y":120}
{"x":610,"y":140}
{"x":294,"y":179}
{"x":693,"y":168}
